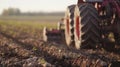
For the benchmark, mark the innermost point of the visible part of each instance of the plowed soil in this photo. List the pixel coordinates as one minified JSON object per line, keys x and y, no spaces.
{"x":23,"y":47}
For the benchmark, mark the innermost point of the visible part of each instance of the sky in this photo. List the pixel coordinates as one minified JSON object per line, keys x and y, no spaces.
{"x":36,"y":5}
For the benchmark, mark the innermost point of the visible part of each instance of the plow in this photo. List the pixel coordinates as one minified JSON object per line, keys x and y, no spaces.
{"x":90,"y":24}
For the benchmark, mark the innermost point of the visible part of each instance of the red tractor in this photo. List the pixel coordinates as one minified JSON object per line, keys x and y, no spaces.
{"x":92,"y":24}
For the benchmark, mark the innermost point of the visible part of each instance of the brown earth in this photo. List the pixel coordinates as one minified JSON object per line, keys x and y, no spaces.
{"x":21,"y":47}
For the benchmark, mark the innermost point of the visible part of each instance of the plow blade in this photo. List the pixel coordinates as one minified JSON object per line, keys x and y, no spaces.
{"x":52,"y":35}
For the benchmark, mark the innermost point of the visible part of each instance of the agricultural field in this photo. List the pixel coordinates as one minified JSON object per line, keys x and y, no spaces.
{"x":21,"y":45}
{"x":17,"y":33}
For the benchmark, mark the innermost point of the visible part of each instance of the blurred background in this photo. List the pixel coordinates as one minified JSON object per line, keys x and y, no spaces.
{"x":34,"y":10}
{"x":32,"y":13}
{"x":36,"y":5}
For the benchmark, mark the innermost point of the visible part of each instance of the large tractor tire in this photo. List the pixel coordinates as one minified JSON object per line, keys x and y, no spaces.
{"x":69,"y":25}
{"x":87,"y":28}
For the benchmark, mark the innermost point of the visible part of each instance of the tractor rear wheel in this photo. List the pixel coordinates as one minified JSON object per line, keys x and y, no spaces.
{"x":69,"y":23}
{"x":87,"y":28}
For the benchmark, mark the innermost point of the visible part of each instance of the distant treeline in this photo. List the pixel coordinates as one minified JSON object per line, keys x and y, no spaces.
{"x":17,"y":12}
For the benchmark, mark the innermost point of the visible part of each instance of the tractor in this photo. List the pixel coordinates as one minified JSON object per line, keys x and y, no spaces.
{"x":90,"y":24}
